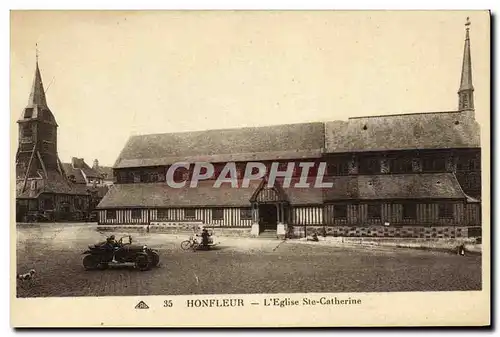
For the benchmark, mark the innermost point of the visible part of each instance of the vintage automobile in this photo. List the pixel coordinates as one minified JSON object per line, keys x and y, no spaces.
{"x":101,"y":255}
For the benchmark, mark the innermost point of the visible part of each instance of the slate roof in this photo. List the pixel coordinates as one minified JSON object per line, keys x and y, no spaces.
{"x":37,"y":107}
{"x":78,"y":167}
{"x":436,"y":130}
{"x":105,"y":172}
{"x":252,"y":143}
{"x":71,"y":171}
{"x":161,"y":195}
{"x":396,"y":186}
{"x":363,"y":187}
{"x":55,"y":184}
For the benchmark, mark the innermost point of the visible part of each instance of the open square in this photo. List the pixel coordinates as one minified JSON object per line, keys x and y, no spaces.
{"x":236,"y":266}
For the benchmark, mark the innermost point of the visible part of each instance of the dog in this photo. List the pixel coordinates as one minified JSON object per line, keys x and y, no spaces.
{"x":27,"y":276}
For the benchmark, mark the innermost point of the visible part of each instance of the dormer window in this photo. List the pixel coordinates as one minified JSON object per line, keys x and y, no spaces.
{"x":28,"y":112}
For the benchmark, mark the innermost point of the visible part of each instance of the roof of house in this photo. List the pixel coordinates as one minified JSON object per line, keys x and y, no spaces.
{"x":55,"y":183}
{"x":437,"y":130}
{"x":80,"y":169}
{"x":383,"y":186}
{"x":75,"y":172}
{"x":242,"y":144}
{"x":396,"y":186}
{"x":106,"y":172}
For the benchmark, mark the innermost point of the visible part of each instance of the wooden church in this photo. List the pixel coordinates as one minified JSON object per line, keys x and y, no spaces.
{"x":406,"y":175}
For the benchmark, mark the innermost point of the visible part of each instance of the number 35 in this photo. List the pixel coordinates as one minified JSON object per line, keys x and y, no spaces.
{"x":167,"y":303}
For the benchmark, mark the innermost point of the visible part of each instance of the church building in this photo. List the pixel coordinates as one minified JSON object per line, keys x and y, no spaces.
{"x":43,"y":190}
{"x":404,"y":175}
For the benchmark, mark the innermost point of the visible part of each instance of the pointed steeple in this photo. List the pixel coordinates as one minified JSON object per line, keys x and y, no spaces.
{"x":37,"y":107}
{"x":37,"y":95}
{"x":466,"y":91}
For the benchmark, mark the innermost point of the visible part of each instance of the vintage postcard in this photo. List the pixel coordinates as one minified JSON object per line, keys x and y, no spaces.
{"x":250,"y":168}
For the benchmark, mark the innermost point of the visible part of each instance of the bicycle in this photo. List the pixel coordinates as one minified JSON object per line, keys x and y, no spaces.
{"x":191,"y":243}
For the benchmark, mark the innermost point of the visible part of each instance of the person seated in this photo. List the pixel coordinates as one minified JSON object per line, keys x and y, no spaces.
{"x":111,"y":241}
{"x":204,"y":237}
{"x":112,"y":245}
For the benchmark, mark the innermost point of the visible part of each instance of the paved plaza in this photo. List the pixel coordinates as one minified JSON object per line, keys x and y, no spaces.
{"x":236,"y":266}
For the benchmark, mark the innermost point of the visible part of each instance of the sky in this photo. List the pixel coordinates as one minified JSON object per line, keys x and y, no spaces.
{"x":110,"y":75}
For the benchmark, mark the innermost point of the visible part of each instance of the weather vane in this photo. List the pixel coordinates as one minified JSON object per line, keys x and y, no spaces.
{"x":467,"y":23}
{"x":36,"y":51}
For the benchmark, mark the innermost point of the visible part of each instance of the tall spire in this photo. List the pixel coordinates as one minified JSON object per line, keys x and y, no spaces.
{"x":465,"y":93}
{"x":37,"y":95}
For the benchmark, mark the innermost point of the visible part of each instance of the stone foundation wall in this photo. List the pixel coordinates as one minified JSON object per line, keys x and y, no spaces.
{"x":173,"y":229}
{"x":382,"y":231}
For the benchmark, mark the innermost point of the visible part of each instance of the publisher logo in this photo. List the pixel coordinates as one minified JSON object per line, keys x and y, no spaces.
{"x":142,"y":305}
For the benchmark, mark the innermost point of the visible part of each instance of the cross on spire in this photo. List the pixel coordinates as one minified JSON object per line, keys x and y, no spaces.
{"x":465,"y":93}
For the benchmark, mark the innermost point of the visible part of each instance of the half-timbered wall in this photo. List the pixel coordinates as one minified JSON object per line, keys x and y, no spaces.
{"x":393,"y":214}
{"x":307,"y":215}
{"x":268,"y":195}
{"x":218,"y":217}
{"x":341,"y":214}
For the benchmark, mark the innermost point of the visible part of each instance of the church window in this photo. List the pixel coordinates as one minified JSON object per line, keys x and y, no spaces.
{"x":374,"y":211}
{"x":409,"y":211}
{"x":246,"y":213}
{"x":340,"y":211}
{"x":217,"y":214}
{"x":49,"y":134}
{"x":434,"y":164}
{"x":110,"y":214}
{"x":136,"y":214}
{"x":474,"y":164}
{"x":189,"y":213}
{"x":162,"y":214}
{"x":369,"y":165}
{"x":446,"y":211}
{"x":401,"y":165}
{"x":27,"y":131}
{"x":338,"y":168}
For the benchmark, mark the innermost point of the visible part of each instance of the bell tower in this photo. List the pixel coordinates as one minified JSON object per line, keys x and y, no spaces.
{"x":466,"y":91}
{"x":36,"y":156}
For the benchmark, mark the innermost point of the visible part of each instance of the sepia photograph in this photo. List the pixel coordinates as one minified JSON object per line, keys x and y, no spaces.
{"x":249,"y":160}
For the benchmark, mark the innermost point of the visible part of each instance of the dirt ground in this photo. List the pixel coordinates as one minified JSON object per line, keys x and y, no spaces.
{"x":236,"y":266}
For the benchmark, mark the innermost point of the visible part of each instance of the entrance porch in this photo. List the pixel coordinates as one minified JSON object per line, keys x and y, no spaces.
{"x":270,"y":211}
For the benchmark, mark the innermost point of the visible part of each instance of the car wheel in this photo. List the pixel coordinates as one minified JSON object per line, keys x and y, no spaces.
{"x":90,"y":262}
{"x":155,"y":259}
{"x":142,"y":262}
